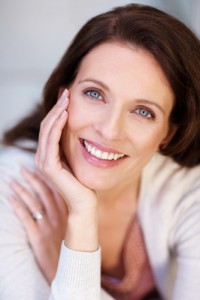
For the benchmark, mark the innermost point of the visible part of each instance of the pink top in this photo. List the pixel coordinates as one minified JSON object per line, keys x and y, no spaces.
{"x":138,"y":280}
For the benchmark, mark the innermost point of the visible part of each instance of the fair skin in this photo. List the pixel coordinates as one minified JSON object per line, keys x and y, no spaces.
{"x":45,"y":236}
{"x":110,"y":123}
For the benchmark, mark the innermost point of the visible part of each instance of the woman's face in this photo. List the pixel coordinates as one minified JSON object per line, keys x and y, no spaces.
{"x":119,"y":109}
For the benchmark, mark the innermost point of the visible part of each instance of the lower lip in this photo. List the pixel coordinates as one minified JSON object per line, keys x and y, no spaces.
{"x":101,"y":163}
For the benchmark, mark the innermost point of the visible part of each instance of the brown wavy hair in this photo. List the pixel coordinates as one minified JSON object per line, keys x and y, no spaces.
{"x":174,"y":46}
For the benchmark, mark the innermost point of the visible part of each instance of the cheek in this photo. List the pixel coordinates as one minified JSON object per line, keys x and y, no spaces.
{"x":148,"y":140}
{"x":79,"y":116}
{"x":75,"y":115}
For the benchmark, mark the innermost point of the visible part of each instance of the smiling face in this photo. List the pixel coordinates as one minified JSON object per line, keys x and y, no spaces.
{"x":119,"y":109}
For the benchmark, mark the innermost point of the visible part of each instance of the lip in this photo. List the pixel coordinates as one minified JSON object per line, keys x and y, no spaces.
{"x":101,"y":147}
{"x":101,"y":163}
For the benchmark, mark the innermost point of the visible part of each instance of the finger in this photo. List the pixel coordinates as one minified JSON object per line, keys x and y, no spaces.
{"x":61,"y":105}
{"x":44,"y":193}
{"x":60,"y":202}
{"x":32,"y":203}
{"x":24,"y":215}
{"x":52,"y":151}
{"x":48,"y":123}
{"x":43,"y":144}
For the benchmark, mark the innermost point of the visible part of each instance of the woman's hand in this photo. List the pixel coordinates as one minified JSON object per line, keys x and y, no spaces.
{"x":43,"y":214}
{"x":79,"y":198}
{"x":81,"y":231}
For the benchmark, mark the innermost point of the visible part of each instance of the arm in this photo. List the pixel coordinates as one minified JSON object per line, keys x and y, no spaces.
{"x":45,"y":238}
{"x":78,"y":274}
{"x":186,"y":246}
{"x":82,"y":223}
{"x":20,"y":276}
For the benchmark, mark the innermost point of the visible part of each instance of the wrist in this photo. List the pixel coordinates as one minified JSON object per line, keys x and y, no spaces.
{"x":82,"y":231}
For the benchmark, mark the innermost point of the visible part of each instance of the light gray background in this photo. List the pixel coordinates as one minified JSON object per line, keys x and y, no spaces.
{"x":34,"y":35}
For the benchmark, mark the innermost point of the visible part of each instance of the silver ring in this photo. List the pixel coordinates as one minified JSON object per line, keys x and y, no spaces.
{"x":38,"y":215}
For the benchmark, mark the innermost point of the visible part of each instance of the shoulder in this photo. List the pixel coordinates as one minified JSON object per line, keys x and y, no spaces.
{"x":171,"y":199}
{"x":11,"y":160}
{"x":12,"y":156}
{"x":170,"y":194}
{"x":13,"y":153}
{"x":167,"y":168}
{"x":18,"y":266}
{"x":163,"y":178}
{"x":169,"y":212}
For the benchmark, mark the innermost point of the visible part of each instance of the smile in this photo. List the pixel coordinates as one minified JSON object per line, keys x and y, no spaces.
{"x":101,"y":154}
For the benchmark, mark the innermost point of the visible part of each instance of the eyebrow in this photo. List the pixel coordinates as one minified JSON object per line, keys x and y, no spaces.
{"x":104,"y":86}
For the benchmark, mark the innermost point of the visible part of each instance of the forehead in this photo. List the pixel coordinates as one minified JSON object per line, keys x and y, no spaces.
{"x":110,"y":55}
{"x":133,"y":68}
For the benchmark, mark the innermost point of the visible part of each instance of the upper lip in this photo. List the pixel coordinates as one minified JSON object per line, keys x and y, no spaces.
{"x":103,"y":148}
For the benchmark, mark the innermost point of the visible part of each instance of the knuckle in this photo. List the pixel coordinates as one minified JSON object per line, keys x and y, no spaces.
{"x":46,"y":168}
{"x":40,"y":165}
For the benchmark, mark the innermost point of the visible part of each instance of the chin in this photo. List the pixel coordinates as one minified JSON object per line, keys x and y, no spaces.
{"x":93,"y":182}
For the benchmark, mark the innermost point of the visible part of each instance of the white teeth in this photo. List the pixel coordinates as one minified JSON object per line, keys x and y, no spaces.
{"x":111,"y":156}
{"x":105,"y":155}
{"x":101,"y":154}
{"x":98,"y":153}
{"x":89,"y":148}
{"x":116,"y":156}
{"x":92,"y":151}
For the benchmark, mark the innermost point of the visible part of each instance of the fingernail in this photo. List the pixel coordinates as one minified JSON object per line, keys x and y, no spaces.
{"x":63,"y":99}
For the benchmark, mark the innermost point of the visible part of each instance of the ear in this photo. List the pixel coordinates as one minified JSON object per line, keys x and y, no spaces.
{"x":171,"y":132}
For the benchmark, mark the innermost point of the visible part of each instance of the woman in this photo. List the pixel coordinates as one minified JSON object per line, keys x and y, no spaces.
{"x":117,"y":168}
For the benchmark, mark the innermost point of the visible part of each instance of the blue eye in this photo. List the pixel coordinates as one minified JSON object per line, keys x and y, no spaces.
{"x":143,"y":112}
{"x":93,"y":94}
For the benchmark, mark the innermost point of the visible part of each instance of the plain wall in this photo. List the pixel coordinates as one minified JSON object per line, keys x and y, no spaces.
{"x":35,"y":34}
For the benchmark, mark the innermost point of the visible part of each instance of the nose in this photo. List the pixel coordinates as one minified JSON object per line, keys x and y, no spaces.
{"x":111,"y":126}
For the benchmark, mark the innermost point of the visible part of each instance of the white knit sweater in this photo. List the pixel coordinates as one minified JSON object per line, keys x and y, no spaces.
{"x":169,"y":213}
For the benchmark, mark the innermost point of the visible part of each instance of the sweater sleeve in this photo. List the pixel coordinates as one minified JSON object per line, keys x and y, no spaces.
{"x":78,"y":276}
{"x":20,"y":276}
{"x":187,"y":247}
